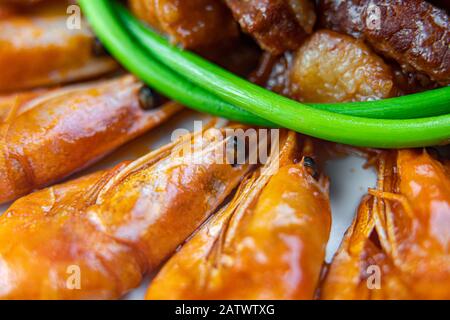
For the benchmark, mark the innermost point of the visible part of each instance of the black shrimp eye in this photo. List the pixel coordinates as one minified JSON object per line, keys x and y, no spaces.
{"x":98,"y":49}
{"x":148,"y":99}
{"x":310,"y":164}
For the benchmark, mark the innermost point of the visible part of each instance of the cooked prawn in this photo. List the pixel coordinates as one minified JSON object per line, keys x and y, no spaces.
{"x":269,"y":243}
{"x":48,"y":135}
{"x":401,"y":233}
{"x":38,"y":49}
{"x":112,"y":227}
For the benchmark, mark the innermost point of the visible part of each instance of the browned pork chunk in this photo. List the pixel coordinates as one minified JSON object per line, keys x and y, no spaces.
{"x":332,"y":67}
{"x":328,"y":67}
{"x":277,"y":25}
{"x":413,"y":32}
{"x":193,"y":24}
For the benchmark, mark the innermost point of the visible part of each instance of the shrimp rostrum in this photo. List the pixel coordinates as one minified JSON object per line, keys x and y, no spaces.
{"x":398,"y":245}
{"x":112,"y":227}
{"x":268,"y":243}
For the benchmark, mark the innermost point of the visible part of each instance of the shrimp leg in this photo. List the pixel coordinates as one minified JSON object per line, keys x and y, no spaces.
{"x":397,"y":247}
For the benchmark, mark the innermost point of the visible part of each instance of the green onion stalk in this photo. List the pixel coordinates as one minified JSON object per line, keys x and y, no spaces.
{"x":199,"y":84}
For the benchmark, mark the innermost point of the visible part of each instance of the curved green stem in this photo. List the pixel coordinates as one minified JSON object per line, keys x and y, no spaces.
{"x":418,"y":105}
{"x":236,"y":91}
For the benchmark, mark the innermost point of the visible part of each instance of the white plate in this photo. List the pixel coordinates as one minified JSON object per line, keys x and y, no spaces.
{"x":349,"y":181}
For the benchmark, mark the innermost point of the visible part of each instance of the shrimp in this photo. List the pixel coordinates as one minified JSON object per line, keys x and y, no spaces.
{"x":398,"y":245}
{"x":48,"y":135}
{"x":112,"y":227}
{"x":38,"y":49}
{"x":269,"y":243}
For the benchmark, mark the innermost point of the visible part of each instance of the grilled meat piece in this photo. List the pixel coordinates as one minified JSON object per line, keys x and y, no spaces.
{"x":331,"y":67}
{"x":414,"y":33}
{"x":328,"y":67}
{"x":193,"y":23}
{"x":277,"y":25}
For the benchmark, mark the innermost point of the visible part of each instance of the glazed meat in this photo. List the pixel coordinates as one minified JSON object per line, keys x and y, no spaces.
{"x":331,"y":67}
{"x":277,"y":25}
{"x":413,"y":32}
{"x":328,"y":67}
{"x":193,"y":23}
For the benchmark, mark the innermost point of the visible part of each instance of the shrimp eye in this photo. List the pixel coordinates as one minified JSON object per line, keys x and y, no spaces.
{"x":98,"y":49}
{"x":148,"y":100}
{"x":311,"y":165}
